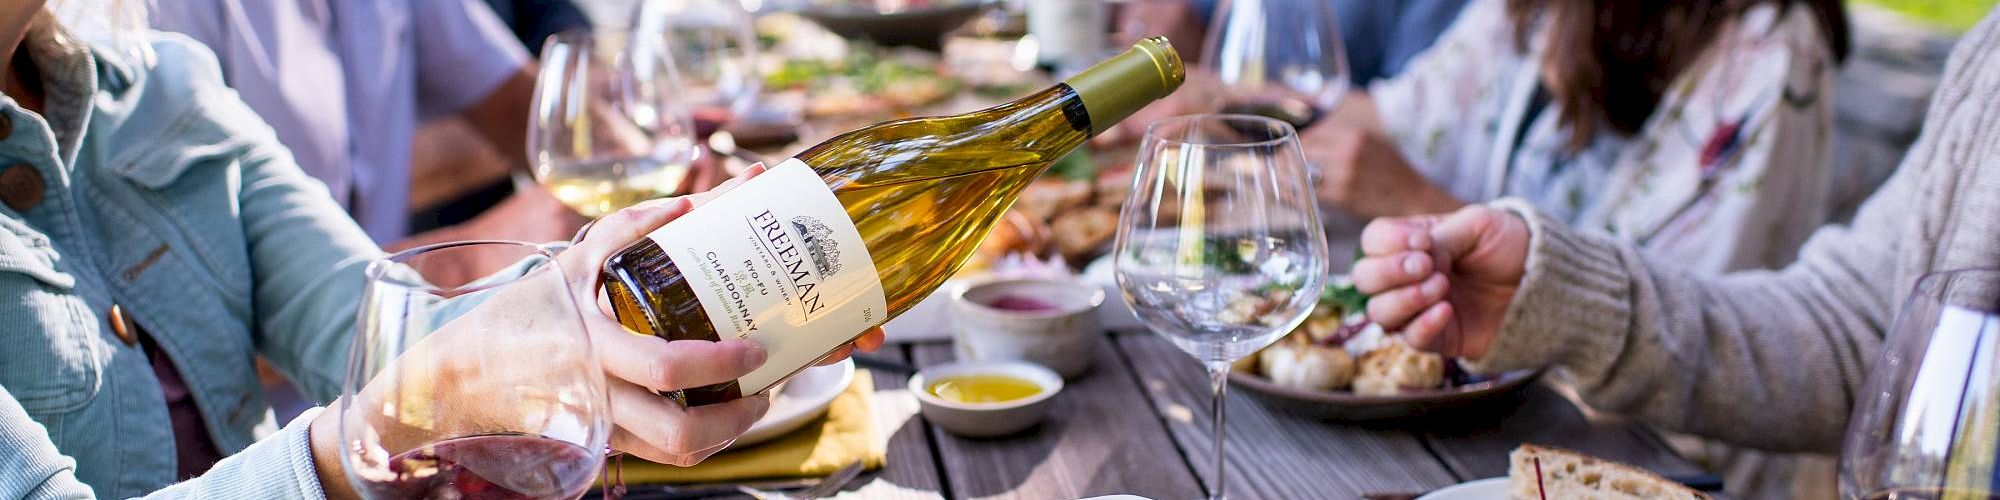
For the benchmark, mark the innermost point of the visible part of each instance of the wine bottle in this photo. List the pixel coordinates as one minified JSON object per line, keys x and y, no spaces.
{"x":856,"y":230}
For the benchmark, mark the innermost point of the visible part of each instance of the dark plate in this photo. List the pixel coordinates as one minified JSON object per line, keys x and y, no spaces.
{"x":1500,"y":392}
{"x":922,"y":27}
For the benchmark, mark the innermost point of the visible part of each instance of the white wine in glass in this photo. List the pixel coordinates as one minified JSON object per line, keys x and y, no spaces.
{"x":609,"y":129}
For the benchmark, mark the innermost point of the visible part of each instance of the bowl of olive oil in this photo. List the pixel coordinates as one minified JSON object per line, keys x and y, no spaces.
{"x":985,"y":398}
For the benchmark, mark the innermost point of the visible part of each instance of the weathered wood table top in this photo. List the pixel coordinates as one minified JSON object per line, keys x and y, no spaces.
{"x":1138,"y":423}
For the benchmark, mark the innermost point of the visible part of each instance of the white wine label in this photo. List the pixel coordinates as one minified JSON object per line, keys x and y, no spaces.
{"x":778,"y":261}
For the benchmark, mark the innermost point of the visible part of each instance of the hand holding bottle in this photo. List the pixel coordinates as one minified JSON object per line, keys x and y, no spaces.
{"x":637,"y":366}
{"x":1445,"y":281}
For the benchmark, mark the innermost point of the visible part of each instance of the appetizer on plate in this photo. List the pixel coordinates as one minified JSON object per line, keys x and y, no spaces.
{"x":1338,"y":349}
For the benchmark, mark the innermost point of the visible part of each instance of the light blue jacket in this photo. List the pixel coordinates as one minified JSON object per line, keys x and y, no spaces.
{"x":165,"y":195}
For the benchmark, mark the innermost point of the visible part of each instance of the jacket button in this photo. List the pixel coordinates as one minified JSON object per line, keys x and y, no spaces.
{"x":122,"y":326}
{"x":21,"y":187}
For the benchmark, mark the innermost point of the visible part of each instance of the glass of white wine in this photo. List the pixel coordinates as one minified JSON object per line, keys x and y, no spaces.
{"x":1219,"y":247}
{"x":609,"y":129}
{"x":1928,"y":424}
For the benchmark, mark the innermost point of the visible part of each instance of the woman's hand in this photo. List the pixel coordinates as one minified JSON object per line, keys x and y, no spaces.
{"x":648,"y":425}
{"x":1444,"y":280}
{"x":1363,"y":173}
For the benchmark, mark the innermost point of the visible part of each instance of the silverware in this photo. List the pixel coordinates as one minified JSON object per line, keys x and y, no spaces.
{"x":827,"y":487}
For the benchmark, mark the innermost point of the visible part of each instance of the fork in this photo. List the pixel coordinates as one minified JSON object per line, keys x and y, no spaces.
{"x":827,"y":487}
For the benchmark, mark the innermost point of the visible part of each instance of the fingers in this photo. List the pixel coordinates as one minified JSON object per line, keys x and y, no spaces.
{"x":1394,"y":308}
{"x":1398,"y":234}
{"x":653,"y":428}
{"x":1430,"y":330}
{"x":660,"y":365}
{"x":872,"y":340}
{"x":1373,"y":275}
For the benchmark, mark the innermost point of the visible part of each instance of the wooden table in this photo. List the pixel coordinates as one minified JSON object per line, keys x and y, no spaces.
{"x":1138,"y":423}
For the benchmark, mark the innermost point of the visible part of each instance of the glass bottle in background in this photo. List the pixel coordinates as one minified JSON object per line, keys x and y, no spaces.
{"x":1069,"y":34}
{"x":1277,"y":58}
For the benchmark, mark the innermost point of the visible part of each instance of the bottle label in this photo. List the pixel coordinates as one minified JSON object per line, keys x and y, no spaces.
{"x":777,"y":261}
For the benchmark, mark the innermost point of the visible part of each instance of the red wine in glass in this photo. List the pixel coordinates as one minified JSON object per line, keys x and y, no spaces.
{"x":1297,"y":112}
{"x":491,"y":466}
{"x":708,"y":119}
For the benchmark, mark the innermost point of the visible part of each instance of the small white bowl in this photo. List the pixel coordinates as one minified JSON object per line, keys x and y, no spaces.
{"x":1062,"y":337}
{"x":986,"y":419}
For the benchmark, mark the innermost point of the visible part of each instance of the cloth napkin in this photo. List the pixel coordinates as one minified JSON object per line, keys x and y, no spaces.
{"x":847,"y":433}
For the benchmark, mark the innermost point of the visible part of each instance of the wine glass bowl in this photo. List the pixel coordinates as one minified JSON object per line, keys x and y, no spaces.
{"x":1277,"y":58}
{"x":610,"y":127}
{"x":1928,"y":423}
{"x":714,"y":46}
{"x":1219,"y":248}
{"x":471,"y":388}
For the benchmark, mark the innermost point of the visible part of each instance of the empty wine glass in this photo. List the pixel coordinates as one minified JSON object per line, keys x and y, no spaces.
{"x":609,"y":127}
{"x":1928,"y":424}
{"x":715,"y":46}
{"x":1219,"y":247}
{"x":1277,"y":58}
{"x":471,"y":388}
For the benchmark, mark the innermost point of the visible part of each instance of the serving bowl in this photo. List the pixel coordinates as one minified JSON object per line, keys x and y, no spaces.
{"x":986,"y":419}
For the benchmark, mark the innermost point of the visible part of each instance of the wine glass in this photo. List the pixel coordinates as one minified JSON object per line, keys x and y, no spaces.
{"x":1928,"y":424}
{"x":471,"y":387}
{"x":1277,"y":58}
{"x":609,"y":129}
{"x":715,"y":44}
{"x":1219,"y":247}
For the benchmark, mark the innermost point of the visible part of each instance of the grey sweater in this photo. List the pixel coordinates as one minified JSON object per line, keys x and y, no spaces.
{"x":1768,"y":359}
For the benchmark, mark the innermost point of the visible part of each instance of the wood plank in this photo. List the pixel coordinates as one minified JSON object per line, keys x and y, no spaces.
{"x":912,"y":469}
{"x":1098,"y":439}
{"x":1274,"y":453}
{"x":1477,"y":447}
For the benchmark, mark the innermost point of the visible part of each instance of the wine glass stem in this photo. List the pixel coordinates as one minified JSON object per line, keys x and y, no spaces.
{"x":1218,"y":383}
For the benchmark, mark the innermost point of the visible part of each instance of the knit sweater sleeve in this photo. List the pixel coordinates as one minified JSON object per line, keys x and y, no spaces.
{"x":1769,"y":359}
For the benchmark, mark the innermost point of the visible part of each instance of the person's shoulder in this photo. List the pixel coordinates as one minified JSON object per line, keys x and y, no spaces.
{"x":165,"y":89}
{"x":1773,"y":32}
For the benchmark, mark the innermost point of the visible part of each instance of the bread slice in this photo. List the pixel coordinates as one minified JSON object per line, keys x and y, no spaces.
{"x":1542,"y":472}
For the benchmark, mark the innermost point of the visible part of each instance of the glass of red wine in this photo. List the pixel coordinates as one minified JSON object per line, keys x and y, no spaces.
{"x":1927,"y":426}
{"x":1278,"y":59}
{"x":714,"y":45}
{"x":472,"y":387}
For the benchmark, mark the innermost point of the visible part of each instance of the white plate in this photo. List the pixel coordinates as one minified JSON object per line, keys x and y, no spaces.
{"x":1484,"y":489}
{"x":799,"y":402}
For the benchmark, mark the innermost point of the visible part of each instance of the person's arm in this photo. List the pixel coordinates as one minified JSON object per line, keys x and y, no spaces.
{"x":30,"y":465}
{"x":1770,"y":359}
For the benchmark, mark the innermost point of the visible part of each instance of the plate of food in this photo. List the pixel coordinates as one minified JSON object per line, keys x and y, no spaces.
{"x":1338,"y":365}
{"x":1537,"y":472}
{"x":800,"y":401}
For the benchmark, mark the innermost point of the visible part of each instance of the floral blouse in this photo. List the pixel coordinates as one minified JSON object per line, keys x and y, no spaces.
{"x":1728,"y":173}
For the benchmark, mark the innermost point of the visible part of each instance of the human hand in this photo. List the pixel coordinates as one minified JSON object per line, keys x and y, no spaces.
{"x":1445,"y":281}
{"x":1363,"y":173}
{"x":636,"y":366}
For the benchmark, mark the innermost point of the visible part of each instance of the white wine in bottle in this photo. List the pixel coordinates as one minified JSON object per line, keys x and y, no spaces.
{"x":858,"y":229}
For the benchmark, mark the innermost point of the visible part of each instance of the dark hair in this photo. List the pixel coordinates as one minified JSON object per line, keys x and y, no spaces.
{"x":1612,"y":60}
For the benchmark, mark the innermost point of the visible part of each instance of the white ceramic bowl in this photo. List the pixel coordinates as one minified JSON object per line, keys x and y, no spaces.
{"x":986,"y":419}
{"x":1062,"y":337}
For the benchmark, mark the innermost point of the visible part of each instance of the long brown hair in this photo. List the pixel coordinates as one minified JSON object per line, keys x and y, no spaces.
{"x":1610,"y":61}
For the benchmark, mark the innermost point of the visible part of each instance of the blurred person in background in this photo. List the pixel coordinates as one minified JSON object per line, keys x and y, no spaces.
{"x":1769,"y":359}
{"x":347,"y":84}
{"x":1379,"y":37}
{"x":157,"y":235}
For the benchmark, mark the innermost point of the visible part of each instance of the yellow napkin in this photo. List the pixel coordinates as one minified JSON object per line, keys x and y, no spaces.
{"x":845,"y":435}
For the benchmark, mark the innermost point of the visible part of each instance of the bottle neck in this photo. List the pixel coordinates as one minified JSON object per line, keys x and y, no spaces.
{"x":1118,"y":87}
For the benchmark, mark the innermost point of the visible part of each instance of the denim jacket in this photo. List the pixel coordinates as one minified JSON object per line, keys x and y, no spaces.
{"x":159,"y":192}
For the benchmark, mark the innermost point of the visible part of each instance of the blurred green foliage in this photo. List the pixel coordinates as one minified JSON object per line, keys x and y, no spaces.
{"x":1956,"y":15}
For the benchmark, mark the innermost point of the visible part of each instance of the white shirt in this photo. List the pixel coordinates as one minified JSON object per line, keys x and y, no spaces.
{"x":1459,"y":109}
{"x":345,"y":82}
